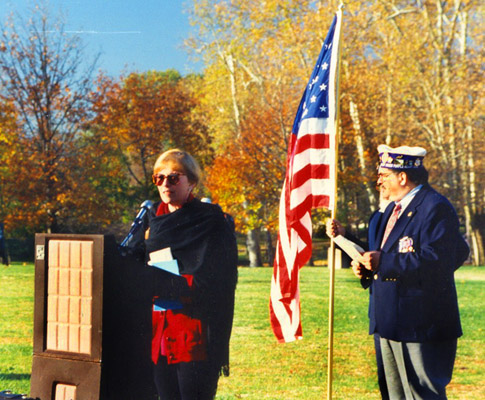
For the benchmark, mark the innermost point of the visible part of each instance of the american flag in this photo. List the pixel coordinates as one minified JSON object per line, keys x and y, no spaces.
{"x":309,"y":183}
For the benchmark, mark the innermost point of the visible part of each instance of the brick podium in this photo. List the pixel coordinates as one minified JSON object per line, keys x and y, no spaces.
{"x":92,"y":321}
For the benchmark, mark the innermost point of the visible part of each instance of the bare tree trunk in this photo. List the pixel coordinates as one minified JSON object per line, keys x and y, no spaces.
{"x":473,"y":232}
{"x":252,"y":237}
{"x":270,"y":252}
{"x":253,"y":248}
{"x":359,"y":144}
{"x":475,"y":238}
{"x":232,"y":76}
{"x":389,"y":114}
{"x":477,"y":243}
{"x":474,"y":235}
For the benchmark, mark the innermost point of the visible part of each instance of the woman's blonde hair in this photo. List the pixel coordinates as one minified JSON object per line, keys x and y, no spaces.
{"x":179,"y":160}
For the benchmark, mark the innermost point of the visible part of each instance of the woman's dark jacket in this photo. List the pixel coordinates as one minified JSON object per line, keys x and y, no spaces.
{"x":202,"y":240}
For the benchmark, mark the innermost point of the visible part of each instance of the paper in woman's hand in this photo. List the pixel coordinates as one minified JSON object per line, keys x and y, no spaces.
{"x":169,"y":266}
{"x":163,"y":260}
{"x":353,"y":250}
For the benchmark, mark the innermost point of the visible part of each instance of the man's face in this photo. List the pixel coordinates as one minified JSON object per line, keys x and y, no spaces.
{"x":383,"y":191}
{"x":392,"y":184}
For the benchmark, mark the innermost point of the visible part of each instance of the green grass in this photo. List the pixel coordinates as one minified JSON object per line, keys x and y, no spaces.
{"x":16,"y":323}
{"x":262,"y":368}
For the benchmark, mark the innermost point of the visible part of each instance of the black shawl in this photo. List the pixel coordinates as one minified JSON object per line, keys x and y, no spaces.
{"x":203,"y":241}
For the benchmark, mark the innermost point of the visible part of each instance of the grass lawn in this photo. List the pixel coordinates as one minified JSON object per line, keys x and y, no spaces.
{"x":262,"y":368}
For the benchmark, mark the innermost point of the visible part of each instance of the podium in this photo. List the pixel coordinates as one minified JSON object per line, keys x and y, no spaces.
{"x":92,"y":321}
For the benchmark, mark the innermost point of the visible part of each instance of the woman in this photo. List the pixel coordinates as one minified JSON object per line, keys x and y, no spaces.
{"x":190,"y":345}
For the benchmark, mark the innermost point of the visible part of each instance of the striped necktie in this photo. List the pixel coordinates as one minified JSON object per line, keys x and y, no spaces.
{"x":391,"y":223}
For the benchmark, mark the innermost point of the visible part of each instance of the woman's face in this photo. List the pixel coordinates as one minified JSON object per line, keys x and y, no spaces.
{"x":175,"y":187}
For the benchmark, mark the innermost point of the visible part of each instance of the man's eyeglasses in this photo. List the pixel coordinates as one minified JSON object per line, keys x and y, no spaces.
{"x":384,"y":176}
{"x":172,"y":179}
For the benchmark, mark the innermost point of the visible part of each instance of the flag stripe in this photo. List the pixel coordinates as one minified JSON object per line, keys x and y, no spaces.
{"x":313,"y":153}
{"x":311,"y":126}
{"x":309,"y":183}
{"x":303,"y":180}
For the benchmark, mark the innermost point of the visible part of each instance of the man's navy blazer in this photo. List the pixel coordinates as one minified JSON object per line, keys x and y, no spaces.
{"x":413,"y":295}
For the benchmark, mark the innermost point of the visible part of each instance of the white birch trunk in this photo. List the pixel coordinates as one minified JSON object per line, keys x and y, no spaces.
{"x":359,"y":144}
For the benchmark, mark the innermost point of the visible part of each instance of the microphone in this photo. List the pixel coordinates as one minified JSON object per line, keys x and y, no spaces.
{"x":137,"y":222}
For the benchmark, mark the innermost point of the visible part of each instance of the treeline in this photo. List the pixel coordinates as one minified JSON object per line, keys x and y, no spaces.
{"x":77,"y":147}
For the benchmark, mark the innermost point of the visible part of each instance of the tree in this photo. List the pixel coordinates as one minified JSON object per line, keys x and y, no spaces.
{"x":46,"y":80}
{"x":145,"y":114}
{"x":257,"y":64}
{"x":399,"y":84}
{"x":246,"y":179}
{"x":8,"y":149}
{"x":435,"y":74}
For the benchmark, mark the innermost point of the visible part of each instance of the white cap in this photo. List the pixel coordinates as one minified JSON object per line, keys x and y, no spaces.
{"x":403,"y":157}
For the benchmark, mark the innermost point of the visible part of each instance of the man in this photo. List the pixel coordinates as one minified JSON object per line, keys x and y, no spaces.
{"x":413,"y":303}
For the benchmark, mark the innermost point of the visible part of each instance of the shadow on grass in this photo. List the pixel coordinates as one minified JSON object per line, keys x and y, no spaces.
{"x":14,"y":377}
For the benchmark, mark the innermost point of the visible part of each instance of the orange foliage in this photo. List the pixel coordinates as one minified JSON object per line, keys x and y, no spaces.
{"x":48,"y":98}
{"x":144,"y":115}
{"x":246,"y":179}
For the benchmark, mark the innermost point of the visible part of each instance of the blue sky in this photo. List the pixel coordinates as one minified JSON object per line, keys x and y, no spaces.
{"x":131,"y":35}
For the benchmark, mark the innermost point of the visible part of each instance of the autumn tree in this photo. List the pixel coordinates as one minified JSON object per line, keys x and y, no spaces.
{"x":410,"y":75}
{"x":425,"y":90}
{"x":446,"y":102}
{"x":8,"y":148}
{"x":144,"y":114}
{"x":46,"y":78}
{"x":42,"y":77}
{"x":246,"y":179}
{"x":258,"y":57}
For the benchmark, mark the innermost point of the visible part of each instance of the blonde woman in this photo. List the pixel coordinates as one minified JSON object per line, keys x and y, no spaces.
{"x":190,"y":345}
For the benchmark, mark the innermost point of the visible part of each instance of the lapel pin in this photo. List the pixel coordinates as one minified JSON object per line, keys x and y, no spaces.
{"x":410,"y":213}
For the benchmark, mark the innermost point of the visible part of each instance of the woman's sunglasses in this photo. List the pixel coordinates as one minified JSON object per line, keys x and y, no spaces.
{"x":172,"y":179}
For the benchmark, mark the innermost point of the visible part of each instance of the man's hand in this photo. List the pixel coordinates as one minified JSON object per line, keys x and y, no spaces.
{"x":370,"y":260}
{"x":334,"y":228}
{"x":358,"y":269}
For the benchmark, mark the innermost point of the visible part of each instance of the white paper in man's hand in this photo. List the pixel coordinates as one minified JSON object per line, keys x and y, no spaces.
{"x":353,"y":250}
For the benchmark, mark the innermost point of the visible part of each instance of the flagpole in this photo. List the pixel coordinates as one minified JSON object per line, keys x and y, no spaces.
{"x":332,"y":243}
